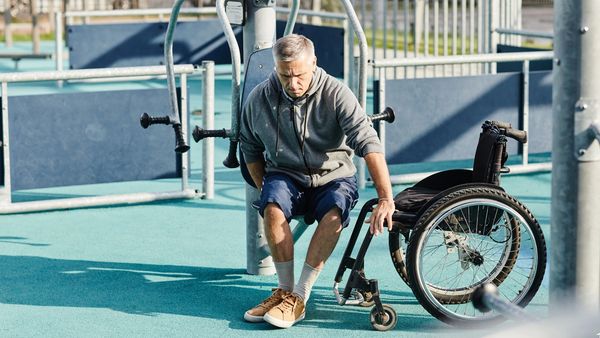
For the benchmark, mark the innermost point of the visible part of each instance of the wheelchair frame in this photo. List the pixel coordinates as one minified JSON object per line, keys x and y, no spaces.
{"x":430,"y":210}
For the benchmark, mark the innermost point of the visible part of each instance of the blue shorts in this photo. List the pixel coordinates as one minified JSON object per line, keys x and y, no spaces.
{"x":294,"y":199}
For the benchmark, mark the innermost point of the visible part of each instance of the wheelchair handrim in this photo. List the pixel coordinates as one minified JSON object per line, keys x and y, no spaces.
{"x":447,"y":211}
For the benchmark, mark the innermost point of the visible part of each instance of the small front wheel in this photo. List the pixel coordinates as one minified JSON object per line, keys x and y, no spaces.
{"x":385,"y":321}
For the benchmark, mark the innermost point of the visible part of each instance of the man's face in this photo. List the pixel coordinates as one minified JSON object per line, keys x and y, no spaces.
{"x":295,"y":76}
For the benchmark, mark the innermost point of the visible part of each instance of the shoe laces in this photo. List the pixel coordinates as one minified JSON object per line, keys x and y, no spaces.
{"x":289,"y":303}
{"x":274,"y":298}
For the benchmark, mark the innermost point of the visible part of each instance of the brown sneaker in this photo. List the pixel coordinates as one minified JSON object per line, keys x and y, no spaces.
{"x":256,"y":314}
{"x":287,"y":313}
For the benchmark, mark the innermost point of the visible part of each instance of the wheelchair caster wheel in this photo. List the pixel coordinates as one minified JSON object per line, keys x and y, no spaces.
{"x":384,"y":322}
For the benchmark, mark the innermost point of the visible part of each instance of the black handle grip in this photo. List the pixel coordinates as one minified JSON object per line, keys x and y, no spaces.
{"x":181,"y":146}
{"x":507,"y":129}
{"x":501,"y":124}
{"x":387,"y":115}
{"x":199,"y":133}
{"x":231,"y":160}
{"x":147,"y":120}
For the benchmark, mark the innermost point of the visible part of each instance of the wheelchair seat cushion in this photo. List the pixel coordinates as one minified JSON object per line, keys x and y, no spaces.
{"x":413,"y":198}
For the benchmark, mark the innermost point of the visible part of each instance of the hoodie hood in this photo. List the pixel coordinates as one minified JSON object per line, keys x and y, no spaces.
{"x":312,"y":138}
{"x":318,"y":79}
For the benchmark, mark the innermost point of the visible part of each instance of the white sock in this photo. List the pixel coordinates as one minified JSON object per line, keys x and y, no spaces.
{"x":285,"y":274}
{"x":307,"y":280}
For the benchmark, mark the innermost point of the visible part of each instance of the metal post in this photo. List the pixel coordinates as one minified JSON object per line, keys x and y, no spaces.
{"x":525,"y":110}
{"x":5,"y":191}
{"x":259,"y":32}
{"x":494,"y":13}
{"x":208,"y":123}
{"x":35,"y":29}
{"x":575,"y":253}
{"x":58,"y":43}
{"x":185,"y":157}
{"x":382,"y":79}
{"x":359,"y":162}
{"x":8,"y":38}
{"x":587,"y":148}
{"x":419,"y":16}
{"x":405,"y":19}
{"x":349,"y":68}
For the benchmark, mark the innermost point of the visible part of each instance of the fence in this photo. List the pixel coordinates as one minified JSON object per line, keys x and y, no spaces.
{"x":434,"y":121}
{"x":6,"y":205}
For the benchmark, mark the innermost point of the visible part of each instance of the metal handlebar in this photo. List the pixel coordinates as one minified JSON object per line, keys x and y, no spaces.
{"x":506,"y":129}
{"x":147,"y":120}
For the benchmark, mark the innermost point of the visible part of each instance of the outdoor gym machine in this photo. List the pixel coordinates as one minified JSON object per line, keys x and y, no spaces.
{"x":173,"y":119}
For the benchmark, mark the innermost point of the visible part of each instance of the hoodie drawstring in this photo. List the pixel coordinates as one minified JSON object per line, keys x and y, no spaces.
{"x":277,"y":137}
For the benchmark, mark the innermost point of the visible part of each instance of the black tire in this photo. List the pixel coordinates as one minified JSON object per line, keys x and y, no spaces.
{"x":395,"y":241}
{"x":468,"y":238}
{"x":385,"y":322}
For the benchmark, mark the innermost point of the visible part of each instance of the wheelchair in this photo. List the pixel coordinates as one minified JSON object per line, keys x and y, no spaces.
{"x":453,"y":232}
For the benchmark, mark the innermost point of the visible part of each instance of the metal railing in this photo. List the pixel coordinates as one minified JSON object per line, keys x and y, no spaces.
{"x":380,"y":67}
{"x":413,"y":28}
{"x":6,"y":205}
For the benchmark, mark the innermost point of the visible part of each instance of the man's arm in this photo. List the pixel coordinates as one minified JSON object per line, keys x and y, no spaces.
{"x":257,"y":172}
{"x":381,"y":178}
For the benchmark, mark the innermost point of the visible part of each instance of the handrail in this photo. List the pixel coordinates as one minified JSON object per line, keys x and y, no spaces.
{"x":231,"y":160}
{"x":362,"y":43}
{"x":190,"y":11}
{"x":324,"y":15}
{"x":169,"y":64}
{"x":522,"y":32}
{"x":291,"y":22}
{"x":137,"y":12}
{"x":458,"y":59}
{"x":81,"y":74}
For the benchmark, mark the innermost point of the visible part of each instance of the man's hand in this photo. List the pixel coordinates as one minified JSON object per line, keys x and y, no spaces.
{"x":381,"y":178}
{"x":382,"y":213}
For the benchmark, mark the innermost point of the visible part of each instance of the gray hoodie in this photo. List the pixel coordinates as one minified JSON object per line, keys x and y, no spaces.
{"x":310,"y":138}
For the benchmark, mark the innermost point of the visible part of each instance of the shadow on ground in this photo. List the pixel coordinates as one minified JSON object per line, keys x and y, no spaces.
{"x":149,"y":290}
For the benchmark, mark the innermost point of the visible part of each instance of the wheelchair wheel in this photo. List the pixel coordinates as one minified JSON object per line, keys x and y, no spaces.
{"x":468,"y":238}
{"x":397,"y":249}
{"x":384,"y":322}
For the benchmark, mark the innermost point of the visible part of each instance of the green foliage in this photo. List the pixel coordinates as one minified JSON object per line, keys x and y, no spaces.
{"x":19,"y":37}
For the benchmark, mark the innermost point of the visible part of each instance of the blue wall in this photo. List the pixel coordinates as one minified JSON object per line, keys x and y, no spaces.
{"x":141,"y":44}
{"x":84,"y":138}
{"x":439,"y":119}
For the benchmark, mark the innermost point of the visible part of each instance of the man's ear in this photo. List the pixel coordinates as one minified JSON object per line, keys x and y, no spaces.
{"x":314,"y":64}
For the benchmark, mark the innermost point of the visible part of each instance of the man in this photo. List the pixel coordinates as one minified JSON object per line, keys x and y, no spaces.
{"x":298,"y":131}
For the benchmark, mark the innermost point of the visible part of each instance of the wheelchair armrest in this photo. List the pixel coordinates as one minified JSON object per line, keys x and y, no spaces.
{"x":404,"y":217}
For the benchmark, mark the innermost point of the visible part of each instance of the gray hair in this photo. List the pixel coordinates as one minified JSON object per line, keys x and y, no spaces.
{"x":291,"y":47}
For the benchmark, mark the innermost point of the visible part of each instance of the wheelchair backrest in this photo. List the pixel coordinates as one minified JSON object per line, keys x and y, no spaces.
{"x":490,"y":155}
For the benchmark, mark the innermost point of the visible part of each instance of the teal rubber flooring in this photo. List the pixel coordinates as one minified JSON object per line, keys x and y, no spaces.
{"x":178,"y":268}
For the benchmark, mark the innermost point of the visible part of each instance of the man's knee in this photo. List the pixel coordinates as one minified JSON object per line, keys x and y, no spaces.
{"x":273,"y":212}
{"x":333,"y":219}
{"x":334,"y":214}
